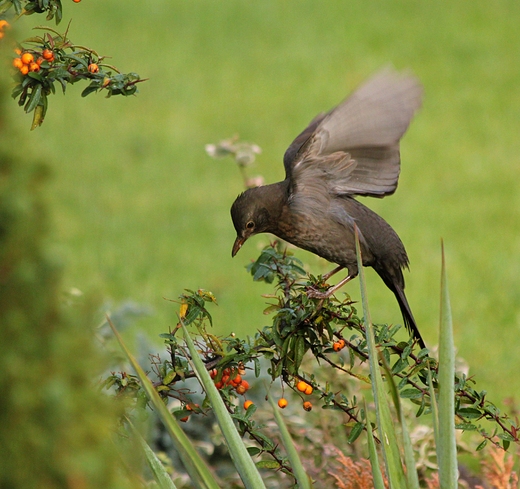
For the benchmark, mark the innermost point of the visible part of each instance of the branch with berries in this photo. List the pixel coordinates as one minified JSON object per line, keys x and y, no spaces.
{"x":42,"y":63}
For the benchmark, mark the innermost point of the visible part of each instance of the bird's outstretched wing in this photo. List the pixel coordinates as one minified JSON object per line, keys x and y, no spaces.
{"x":354,"y":149}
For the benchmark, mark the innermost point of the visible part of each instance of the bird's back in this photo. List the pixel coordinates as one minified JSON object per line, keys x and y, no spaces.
{"x":381,"y":242}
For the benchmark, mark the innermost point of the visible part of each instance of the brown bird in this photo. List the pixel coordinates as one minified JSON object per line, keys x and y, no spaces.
{"x":351,"y":150}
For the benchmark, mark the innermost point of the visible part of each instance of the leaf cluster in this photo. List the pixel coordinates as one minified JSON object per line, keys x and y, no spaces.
{"x":70,"y":64}
{"x":52,"y":8}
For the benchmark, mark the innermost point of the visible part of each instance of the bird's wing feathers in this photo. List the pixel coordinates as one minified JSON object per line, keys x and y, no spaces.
{"x":295,"y":149}
{"x":365,"y":131}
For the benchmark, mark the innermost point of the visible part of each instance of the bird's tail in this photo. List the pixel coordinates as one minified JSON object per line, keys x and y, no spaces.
{"x":408,"y":318}
{"x":395,"y":282}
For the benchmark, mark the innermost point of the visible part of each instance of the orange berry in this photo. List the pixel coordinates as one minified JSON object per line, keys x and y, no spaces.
{"x":241,"y":389}
{"x":237,"y":379}
{"x":301,"y":386}
{"x":34,"y":67}
{"x":47,"y":54}
{"x":18,"y":51}
{"x":247,"y":404}
{"x":3,"y":24}
{"x":308,"y":390}
{"x":282,"y":403}
{"x":185,"y":419}
{"x":339,"y":345}
{"x":219,"y":384}
{"x":213,"y":373}
{"x":27,"y":58}
{"x":76,"y":1}
{"x":225,"y":379}
{"x":93,"y":68}
{"x":40,"y":60}
{"x":245,"y":384}
{"x":17,"y":63}
{"x":307,"y":405}
{"x":24,"y":70}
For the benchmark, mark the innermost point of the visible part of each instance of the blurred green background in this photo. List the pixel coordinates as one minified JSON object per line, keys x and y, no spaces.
{"x":141,"y":212}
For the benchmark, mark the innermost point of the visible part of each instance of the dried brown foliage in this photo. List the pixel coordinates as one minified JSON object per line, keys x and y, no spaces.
{"x":498,"y":471}
{"x":353,"y":475}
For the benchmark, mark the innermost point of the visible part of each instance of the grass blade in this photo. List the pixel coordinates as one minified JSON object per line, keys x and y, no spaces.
{"x":377,"y":476}
{"x":160,"y":475}
{"x":435,"y":410}
{"x":197,"y":469}
{"x":244,"y":464}
{"x":446,"y":446}
{"x":409,"y":457}
{"x":302,"y":479}
{"x":390,"y":448}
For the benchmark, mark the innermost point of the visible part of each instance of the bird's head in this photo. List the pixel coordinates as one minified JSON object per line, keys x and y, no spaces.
{"x":250,"y":215}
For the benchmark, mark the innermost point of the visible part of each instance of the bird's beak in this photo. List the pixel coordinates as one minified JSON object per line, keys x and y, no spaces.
{"x":238,"y":244}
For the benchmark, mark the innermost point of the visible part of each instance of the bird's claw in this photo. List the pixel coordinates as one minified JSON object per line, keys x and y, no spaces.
{"x":314,"y":293}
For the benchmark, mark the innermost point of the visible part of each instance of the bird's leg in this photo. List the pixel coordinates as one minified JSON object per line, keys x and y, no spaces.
{"x":332,"y":272}
{"x":316,"y":294}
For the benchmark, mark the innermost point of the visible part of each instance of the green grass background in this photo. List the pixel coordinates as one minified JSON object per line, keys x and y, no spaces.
{"x":140,"y":212}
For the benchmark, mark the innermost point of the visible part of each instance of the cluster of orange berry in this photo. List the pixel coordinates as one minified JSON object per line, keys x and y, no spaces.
{"x":232,"y":378}
{"x":302,"y":387}
{"x":339,"y":345}
{"x":189,"y":407}
{"x":26,"y":61}
{"x":3,"y":25}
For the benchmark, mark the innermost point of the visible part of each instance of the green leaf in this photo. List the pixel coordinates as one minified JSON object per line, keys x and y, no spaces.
{"x":445,"y":436}
{"x":254,"y":451}
{"x":374,"y":461}
{"x":482,"y":444}
{"x":257,"y":366}
{"x":268,"y":464}
{"x":93,"y":87}
{"x":505,"y":436}
{"x":409,"y":458}
{"x":302,"y":479}
{"x":35,"y":76}
{"x":411,"y":394}
{"x":466,"y":427}
{"x":38,"y":114}
{"x":299,"y":352}
{"x":78,"y":59}
{"x":470,"y":413}
{"x":4,"y":7}
{"x":169,"y":377}
{"x":34,"y":98}
{"x":355,"y":432}
{"x":160,"y":475}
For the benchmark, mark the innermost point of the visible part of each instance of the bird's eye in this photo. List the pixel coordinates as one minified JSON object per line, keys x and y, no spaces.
{"x":250,"y":225}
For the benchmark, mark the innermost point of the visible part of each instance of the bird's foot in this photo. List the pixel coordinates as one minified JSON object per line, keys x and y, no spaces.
{"x":314,"y":293}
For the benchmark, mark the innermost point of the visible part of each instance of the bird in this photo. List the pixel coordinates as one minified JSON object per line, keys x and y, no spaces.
{"x":352,"y":150}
